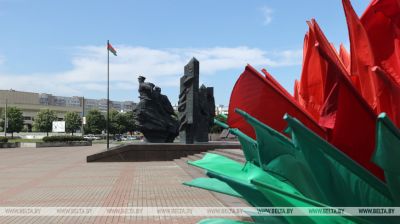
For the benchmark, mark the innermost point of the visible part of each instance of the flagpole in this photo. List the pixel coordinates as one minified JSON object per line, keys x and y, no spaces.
{"x":5,"y":120}
{"x":108,"y":95}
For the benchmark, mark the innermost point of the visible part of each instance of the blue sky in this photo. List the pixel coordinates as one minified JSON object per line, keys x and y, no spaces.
{"x":58,"y":47}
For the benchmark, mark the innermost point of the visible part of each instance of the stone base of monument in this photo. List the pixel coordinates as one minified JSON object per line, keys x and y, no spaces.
{"x":145,"y":152}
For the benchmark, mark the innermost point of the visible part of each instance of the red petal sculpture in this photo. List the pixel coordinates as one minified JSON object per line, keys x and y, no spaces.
{"x":350,"y":118}
{"x":388,"y":95}
{"x":264,"y":100}
{"x":313,"y":75}
{"x":339,"y":94}
{"x":361,"y":56}
{"x":345,"y":57}
{"x":276,"y":84}
{"x":386,"y":91}
{"x":382,"y":23}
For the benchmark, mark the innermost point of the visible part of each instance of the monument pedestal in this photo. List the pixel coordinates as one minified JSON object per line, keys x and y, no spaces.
{"x":145,"y":152}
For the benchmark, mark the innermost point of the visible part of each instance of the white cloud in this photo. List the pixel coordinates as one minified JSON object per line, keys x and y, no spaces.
{"x":163,"y":66}
{"x":267,"y":14}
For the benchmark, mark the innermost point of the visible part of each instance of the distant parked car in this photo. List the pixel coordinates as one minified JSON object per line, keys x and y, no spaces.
{"x":91,"y":137}
{"x":117,"y":138}
{"x":131,"y":138}
{"x":87,"y":137}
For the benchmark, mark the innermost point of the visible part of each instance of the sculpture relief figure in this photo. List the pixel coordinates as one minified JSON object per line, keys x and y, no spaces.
{"x":186,"y":83}
{"x":187,"y":106}
{"x":164,"y":101}
{"x":210,"y":106}
{"x":206,"y":113}
{"x":196,"y":106}
{"x":145,"y":88}
{"x":154,"y":114}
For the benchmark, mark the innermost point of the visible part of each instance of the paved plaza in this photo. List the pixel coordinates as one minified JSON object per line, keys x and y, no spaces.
{"x":53,"y":177}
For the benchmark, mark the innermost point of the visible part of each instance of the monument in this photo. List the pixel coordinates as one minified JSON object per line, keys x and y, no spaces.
{"x":156,"y":119}
{"x":206,"y":113}
{"x":196,"y":106}
{"x":154,"y":115}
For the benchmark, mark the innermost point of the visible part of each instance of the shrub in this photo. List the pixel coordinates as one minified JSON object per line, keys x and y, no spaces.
{"x":3,"y":139}
{"x":63,"y":138}
{"x":216,"y":128}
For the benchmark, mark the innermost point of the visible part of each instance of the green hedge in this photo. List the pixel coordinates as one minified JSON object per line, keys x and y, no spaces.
{"x":63,"y":138}
{"x":3,"y":139}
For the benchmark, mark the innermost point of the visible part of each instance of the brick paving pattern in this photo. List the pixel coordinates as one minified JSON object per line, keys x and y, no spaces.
{"x":50,"y":177}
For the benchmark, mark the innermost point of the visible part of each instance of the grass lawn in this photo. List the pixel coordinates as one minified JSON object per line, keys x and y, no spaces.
{"x":103,"y":141}
{"x":24,"y":140}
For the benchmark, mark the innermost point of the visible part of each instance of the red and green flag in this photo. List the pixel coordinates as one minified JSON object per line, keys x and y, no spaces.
{"x":111,"y":49}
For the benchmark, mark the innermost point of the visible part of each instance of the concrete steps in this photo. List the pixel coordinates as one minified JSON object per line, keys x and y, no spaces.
{"x":236,"y":155}
{"x":234,"y":152}
{"x":191,"y":170}
{"x":195,"y":172}
{"x":145,"y":152}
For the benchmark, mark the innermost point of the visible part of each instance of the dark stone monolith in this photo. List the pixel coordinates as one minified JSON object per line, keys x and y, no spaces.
{"x":196,"y":106}
{"x":206,"y":113}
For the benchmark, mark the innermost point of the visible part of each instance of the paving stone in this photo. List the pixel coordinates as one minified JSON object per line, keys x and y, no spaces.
{"x":61,"y":177}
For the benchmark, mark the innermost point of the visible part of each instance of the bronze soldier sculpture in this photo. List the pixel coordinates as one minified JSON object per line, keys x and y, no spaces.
{"x":154,"y":114}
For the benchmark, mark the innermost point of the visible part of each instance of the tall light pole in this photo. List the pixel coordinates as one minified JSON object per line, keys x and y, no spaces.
{"x":83,"y":116}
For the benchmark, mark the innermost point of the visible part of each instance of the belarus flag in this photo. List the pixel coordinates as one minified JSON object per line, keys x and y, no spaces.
{"x":111,"y":49}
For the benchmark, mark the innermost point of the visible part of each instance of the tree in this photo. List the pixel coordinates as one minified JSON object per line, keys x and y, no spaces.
{"x":130,"y":122}
{"x":72,"y":122}
{"x":113,"y":125}
{"x":15,"y":120}
{"x":215,"y":128}
{"x":120,"y":123}
{"x":44,"y":121}
{"x":95,"y":122}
